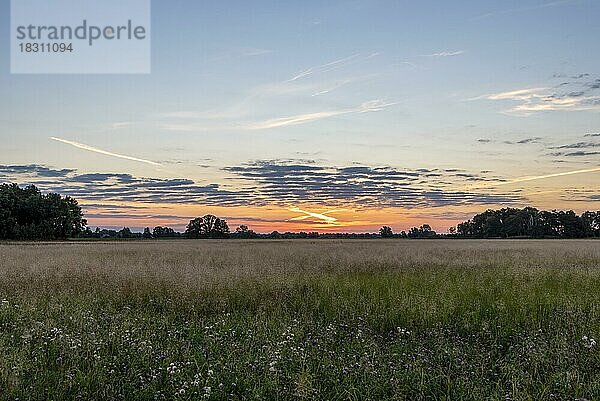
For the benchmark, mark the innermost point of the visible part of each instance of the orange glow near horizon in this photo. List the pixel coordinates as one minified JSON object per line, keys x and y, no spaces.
{"x":544,"y":194}
{"x":282,"y":219}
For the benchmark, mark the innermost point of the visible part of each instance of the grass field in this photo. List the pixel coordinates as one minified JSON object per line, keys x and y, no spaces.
{"x":327,"y":320}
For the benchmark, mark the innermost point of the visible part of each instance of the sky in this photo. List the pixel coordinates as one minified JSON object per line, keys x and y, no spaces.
{"x":327,"y":116}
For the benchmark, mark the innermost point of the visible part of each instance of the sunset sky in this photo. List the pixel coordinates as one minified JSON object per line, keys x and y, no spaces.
{"x":322,"y":115}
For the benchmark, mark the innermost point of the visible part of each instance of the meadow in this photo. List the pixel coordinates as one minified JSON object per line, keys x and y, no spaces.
{"x":279,"y":320}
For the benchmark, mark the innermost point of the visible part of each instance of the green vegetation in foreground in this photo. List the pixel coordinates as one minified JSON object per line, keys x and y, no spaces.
{"x":289,"y":320}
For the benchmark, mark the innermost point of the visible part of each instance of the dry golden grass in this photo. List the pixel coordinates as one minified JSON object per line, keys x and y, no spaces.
{"x":188,"y":265}
{"x":323,"y":319}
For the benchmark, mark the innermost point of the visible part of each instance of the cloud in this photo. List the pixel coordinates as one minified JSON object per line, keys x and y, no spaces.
{"x":534,"y":178}
{"x":234,"y":54}
{"x":336,"y":85}
{"x":125,"y":188}
{"x":579,"y":94}
{"x":368,"y":107}
{"x":525,"y":9}
{"x":36,"y":170}
{"x":321,"y":217}
{"x":111,"y":206}
{"x":577,"y":153}
{"x":536,"y":139}
{"x":525,"y":141}
{"x":122,"y":124}
{"x":593,"y":134}
{"x":122,"y":215}
{"x":263,"y":99}
{"x":578,"y":145}
{"x":264,"y":183}
{"x":363,"y":186}
{"x":252,"y":51}
{"x":192,"y":120}
{"x":103,"y":152}
{"x":518,"y":94}
{"x":444,"y":54}
{"x":294,"y":120}
{"x":580,"y":194}
{"x":324,"y":67}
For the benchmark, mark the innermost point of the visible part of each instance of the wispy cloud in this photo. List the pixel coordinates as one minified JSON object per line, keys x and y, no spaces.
{"x":444,"y":54}
{"x":525,"y":9}
{"x":252,"y":51}
{"x":122,"y":124}
{"x":293,"y":120}
{"x":372,"y":106}
{"x":524,"y":141}
{"x":103,"y":152}
{"x":519,"y":94}
{"x":237,"y":53}
{"x":578,"y":153}
{"x":326,"y":67}
{"x":263,"y":100}
{"x":536,"y":139}
{"x":578,"y":145}
{"x":532,"y":178}
{"x":575,"y":95}
{"x":333,"y":87}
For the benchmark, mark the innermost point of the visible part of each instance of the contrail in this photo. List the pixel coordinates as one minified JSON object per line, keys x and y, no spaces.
{"x":322,"y":68}
{"x":103,"y":152}
{"x":444,"y":54}
{"x":534,"y":178}
{"x":319,"y":216}
{"x":367,"y":107}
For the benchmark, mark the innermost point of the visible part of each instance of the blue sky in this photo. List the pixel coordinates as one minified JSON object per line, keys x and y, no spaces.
{"x":499,"y":89}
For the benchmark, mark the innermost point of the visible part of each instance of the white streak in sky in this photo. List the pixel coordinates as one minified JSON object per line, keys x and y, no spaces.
{"x":535,"y":178}
{"x":368,"y":107}
{"x":322,"y":217}
{"x":444,"y":54}
{"x":525,"y":9}
{"x":103,"y":152}
{"x":323,"y":68}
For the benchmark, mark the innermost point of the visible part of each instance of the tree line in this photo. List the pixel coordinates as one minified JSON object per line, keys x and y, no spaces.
{"x":27,"y":214}
{"x":531,"y":223}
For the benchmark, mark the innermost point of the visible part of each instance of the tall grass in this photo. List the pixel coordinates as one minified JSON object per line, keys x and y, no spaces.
{"x":409,"y":320}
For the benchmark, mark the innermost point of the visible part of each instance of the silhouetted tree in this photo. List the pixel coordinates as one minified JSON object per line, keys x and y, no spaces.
{"x":386,"y":232}
{"x":424,"y":231}
{"x":164,"y":232}
{"x":208,"y":226}
{"x":26,"y":213}
{"x":530,"y":222}
{"x":244,"y":232}
{"x":147,"y":233}
{"x":591,"y":223}
{"x":125,"y":232}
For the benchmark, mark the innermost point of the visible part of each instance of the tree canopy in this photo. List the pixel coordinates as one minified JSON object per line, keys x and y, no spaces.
{"x":530,"y":222}
{"x":208,"y":226}
{"x":386,"y":232}
{"x":27,"y":214}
